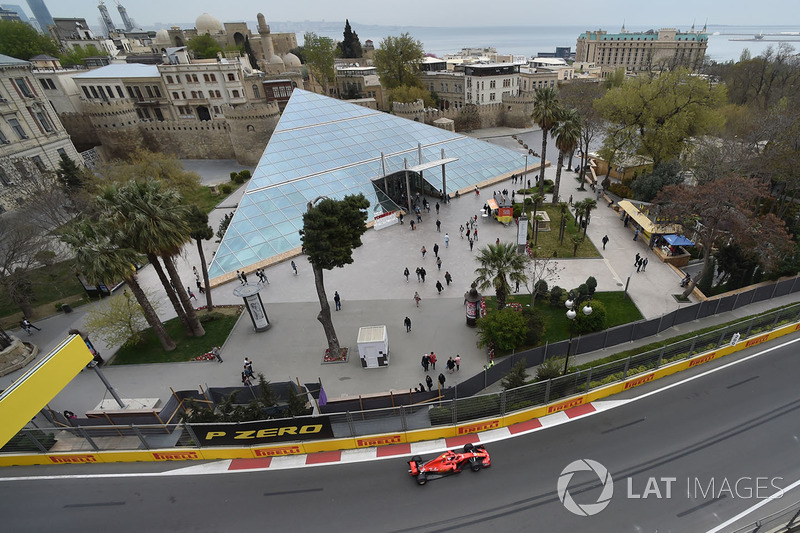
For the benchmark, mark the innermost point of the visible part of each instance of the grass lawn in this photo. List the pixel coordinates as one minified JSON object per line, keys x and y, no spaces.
{"x":218,"y":325}
{"x":51,"y":285}
{"x":207,"y":200}
{"x":547,"y":242}
{"x":619,"y":310}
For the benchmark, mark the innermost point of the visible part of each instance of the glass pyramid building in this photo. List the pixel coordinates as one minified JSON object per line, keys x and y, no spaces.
{"x":327,"y":147}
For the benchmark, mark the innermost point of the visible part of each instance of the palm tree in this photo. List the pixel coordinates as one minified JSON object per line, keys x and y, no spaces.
{"x":567,"y":132}
{"x":546,"y":112}
{"x":154,"y":222}
{"x":499,"y":264}
{"x":101,"y":259}
{"x":563,"y":207}
{"x":201,"y":231}
{"x":536,"y":199}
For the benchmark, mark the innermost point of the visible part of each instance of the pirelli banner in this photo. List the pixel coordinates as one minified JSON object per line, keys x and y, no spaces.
{"x":263,"y":431}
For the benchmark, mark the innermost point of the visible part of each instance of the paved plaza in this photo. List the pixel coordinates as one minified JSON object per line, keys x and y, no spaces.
{"x":374,"y":292}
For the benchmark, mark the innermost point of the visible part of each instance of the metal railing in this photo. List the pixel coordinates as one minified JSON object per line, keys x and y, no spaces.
{"x":786,"y":520}
{"x":438,"y":413}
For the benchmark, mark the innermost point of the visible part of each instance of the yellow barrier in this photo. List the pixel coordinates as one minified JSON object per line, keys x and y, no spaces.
{"x":297,"y":448}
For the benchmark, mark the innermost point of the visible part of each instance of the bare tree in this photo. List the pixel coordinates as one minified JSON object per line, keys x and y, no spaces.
{"x":539,"y":269}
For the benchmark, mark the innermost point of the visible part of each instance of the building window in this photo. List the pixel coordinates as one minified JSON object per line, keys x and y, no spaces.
{"x":61,"y":152}
{"x":47,"y":83}
{"x":175,"y":96}
{"x":130,"y":92}
{"x":169,"y":79}
{"x":149,"y":91}
{"x":231,"y":77}
{"x":44,"y":122}
{"x":102,"y":92}
{"x":15,"y":125}
{"x":119,"y":92}
{"x":3,"y":138}
{"x":205,"y":78}
{"x":235,"y":93}
{"x":38,"y":162}
{"x":256,"y":93}
{"x":138,"y":92}
{"x":213,"y":77}
{"x":94,"y":92}
{"x":159,"y":114}
{"x":200,"y":94}
{"x":194,"y":94}
{"x":86,"y":92}
{"x":23,"y":88}
{"x":194,"y":78}
{"x":109,"y":91}
{"x":5,"y":179}
{"x":216,"y":110}
{"x":491,"y":97}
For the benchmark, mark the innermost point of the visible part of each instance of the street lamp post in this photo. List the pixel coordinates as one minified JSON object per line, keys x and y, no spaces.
{"x":572,"y":304}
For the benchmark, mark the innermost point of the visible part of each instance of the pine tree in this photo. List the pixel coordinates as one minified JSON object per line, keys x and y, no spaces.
{"x":350,"y":46}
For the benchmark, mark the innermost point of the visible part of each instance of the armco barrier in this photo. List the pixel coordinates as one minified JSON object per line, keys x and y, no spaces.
{"x":482,"y":412}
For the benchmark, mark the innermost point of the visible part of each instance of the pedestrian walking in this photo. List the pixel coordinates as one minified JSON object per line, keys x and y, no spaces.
{"x":429,"y":380}
{"x":337,"y":300}
{"x":425,"y":362}
{"x":248,"y":366}
{"x":457,"y":361}
{"x":412,"y":225}
{"x":421,"y":388}
{"x":605,"y":241}
{"x":439,"y":263}
{"x":436,"y":249}
{"x":406,"y":273}
{"x":407,"y":323}
{"x":497,"y":241}
{"x":638,"y":264}
{"x":447,"y":278}
{"x":636,"y":234}
{"x":417,"y":298}
{"x":190,"y":293}
{"x":239,"y":277}
{"x":27,"y":324}
{"x":432,"y":358}
{"x":438,"y":225}
{"x":294,"y":267}
{"x":419,"y":274}
{"x":636,"y":261}
{"x":401,"y":218}
{"x":423,"y":251}
{"x":245,"y":380}
{"x":570,"y":199}
{"x":439,"y":286}
{"x":451,"y":365}
{"x":467,"y":233}
{"x":437,"y":208}
{"x":471,"y":242}
{"x":644,"y":264}
{"x":516,"y":286}
{"x":419,"y":217}
{"x":446,"y":240}
{"x":215,"y":351}
{"x":442,"y":379}
{"x":244,"y":278}
{"x":264,"y":277}
{"x":461,"y":230}
{"x":422,"y":272}
{"x":475,"y":234}
{"x":194,"y":269}
{"x":24,"y":325}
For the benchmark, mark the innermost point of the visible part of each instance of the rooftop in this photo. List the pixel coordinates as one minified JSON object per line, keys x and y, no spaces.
{"x":121,"y":70}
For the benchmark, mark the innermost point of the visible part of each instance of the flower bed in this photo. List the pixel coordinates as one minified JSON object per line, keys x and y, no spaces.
{"x":342,"y":358}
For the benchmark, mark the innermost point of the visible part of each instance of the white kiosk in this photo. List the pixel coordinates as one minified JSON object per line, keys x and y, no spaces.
{"x":373,"y":346}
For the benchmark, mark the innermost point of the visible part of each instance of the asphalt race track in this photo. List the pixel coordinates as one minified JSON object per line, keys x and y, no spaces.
{"x":739,"y":424}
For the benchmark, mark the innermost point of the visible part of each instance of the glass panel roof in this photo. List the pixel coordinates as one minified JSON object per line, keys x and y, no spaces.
{"x":323,"y":146}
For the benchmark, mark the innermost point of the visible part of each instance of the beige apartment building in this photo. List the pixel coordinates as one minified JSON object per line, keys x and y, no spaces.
{"x":29,"y":129}
{"x":636,"y":52}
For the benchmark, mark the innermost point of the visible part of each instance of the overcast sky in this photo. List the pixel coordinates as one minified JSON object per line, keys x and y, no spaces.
{"x":465,"y":13}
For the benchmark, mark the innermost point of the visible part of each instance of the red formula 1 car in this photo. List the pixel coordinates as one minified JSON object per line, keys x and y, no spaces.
{"x":450,"y":462}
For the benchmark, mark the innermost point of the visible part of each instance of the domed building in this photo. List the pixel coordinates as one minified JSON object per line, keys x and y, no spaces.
{"x":208,"y":25}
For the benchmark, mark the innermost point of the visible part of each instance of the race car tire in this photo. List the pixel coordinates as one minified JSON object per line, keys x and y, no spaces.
{"x":422,"y":479}
{"x":468,"y":447}
{"x":475,"y":465}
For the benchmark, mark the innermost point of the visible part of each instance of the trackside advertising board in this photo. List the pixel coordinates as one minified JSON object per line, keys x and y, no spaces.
{"x":263,"y":431}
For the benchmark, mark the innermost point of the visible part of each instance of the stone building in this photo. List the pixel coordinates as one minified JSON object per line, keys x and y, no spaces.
{"x":642,"y":51}
{"x":29,"y":128}
{"x":354,"y":82}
